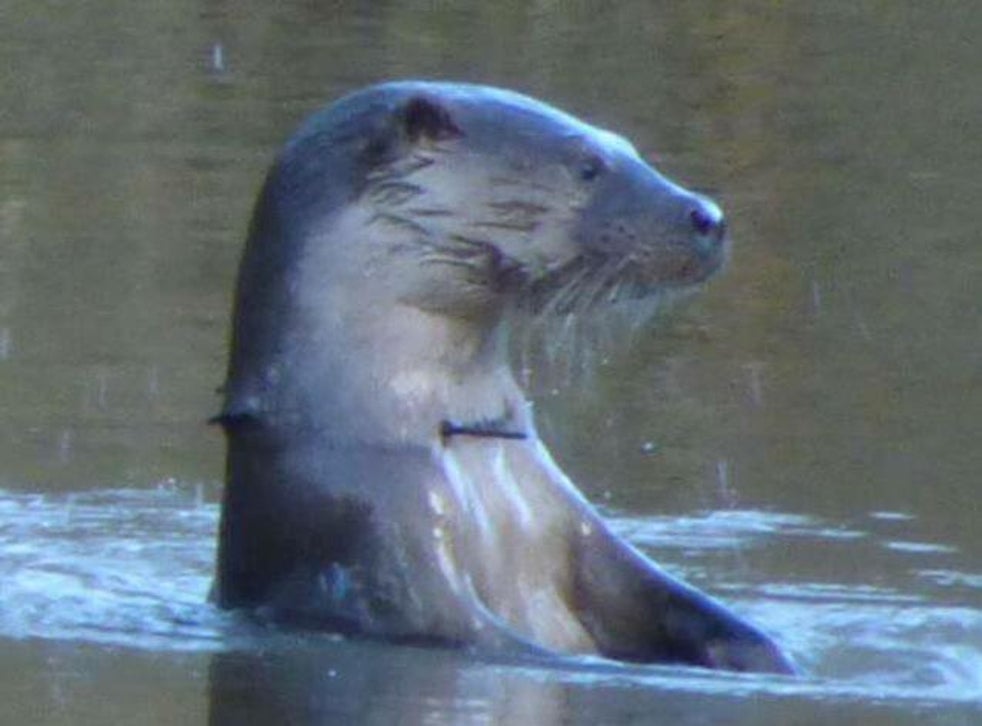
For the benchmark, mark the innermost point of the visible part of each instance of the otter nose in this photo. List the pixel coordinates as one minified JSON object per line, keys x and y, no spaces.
{"x":707,"y":219}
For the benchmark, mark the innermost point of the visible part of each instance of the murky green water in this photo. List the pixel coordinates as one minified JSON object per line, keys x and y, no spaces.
{"x":802,"y":440}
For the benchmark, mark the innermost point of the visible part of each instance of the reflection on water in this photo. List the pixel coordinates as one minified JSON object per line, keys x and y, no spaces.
{"x":130,"y":569}
{"x":831,"y":377}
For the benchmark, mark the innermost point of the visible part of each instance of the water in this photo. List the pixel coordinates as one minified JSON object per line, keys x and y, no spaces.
{"x":801,"y":440}
{"x":116,"y":578}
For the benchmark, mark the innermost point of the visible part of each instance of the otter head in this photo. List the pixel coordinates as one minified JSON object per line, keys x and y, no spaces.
{"x":400,"y":224}
{"x":493,"y":195}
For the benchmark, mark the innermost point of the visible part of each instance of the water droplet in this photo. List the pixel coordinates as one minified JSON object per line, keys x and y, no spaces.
{"x":754,"y":384}
{"x":153,"y":381}
{"x":218,"y":58}
{"x":724,"y":484}
{"x":816,"y":297}
{"x":66,"y":443}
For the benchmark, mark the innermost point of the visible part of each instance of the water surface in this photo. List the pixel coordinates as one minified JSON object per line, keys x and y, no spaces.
{"x":801,"y":440}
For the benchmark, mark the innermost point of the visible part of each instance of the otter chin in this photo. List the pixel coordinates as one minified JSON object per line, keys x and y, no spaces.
{"x":384,"y":476}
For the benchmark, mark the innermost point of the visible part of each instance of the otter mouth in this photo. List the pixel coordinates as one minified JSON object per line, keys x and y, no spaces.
{"x":592,"y":281}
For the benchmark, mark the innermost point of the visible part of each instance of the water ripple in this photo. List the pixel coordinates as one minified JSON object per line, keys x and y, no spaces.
{"x":132,"y":567}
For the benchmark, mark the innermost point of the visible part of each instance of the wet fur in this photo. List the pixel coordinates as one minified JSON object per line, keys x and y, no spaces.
{"x":384,"y":475}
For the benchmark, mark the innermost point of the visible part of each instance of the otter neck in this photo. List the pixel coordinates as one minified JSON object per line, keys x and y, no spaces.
{"x":352,"y":339}
{"x":351,"y":364}
{"x":406,"y":371}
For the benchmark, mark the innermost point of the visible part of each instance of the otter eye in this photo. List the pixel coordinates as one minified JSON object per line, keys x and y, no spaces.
{"x":591,"y":167}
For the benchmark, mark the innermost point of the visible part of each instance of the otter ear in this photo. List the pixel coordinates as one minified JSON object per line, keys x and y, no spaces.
{"x":425,"y":118}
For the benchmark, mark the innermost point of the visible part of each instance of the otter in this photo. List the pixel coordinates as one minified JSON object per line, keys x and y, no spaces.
{"x":384,"y":476}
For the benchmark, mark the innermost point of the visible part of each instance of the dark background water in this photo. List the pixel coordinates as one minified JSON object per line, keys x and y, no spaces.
{"x":803,"y":439}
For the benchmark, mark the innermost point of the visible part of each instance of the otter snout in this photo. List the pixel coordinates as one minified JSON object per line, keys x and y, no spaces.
{"x":709,"y":226}
{"x":707,"y":219}
{"x":663,"y":234}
